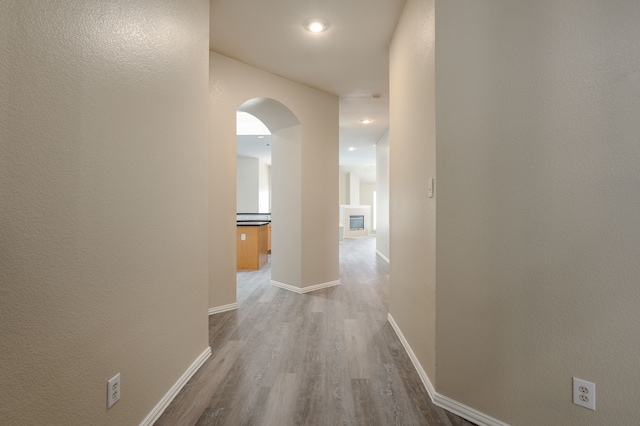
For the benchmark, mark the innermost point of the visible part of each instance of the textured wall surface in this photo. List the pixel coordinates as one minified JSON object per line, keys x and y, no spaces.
{"x":412,"y":214}
{"x":382,"y":190}
{"x":103,"y":205}
{"x":232,"y":83}
{"x":366,"y":193}
{"x":286,"y":217}
{"x":538,"y":239}
{"x":247,"y":183}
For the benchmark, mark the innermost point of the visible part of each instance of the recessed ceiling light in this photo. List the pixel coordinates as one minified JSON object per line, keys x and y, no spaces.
{"x":352,"y":148}
{"x":366,"y":121}
{"x":316,"y":25}
{"x":260,"y":137}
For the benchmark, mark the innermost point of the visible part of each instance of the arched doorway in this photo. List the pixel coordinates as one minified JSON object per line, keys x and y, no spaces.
{"x":286,"y":189}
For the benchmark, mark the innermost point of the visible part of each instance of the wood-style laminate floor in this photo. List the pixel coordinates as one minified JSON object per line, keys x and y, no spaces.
{"x":328,"y":357}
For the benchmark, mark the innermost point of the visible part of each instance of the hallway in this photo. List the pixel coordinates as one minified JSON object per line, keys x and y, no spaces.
{"x":323,"y":358}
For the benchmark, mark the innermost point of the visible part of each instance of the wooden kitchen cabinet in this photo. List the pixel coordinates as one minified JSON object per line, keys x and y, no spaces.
{"x":252,"y":245}
{"x":269,"y":238}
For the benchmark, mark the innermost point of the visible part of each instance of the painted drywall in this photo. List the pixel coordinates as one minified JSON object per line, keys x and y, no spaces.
{"x":103,"y":189}
{"x":344,"y":189}
{"x":247,"y":185}
{"x":538,"y":192}
{"x":412,"y":215}
{"x":253,"y":185}
{"x":354,"y":189}
{"x":366,"y":193}
{"x":286,"y":230}
{"x":231,"y":84}
{"x":264,"y":187}
{"x":382,"y":194}
{"x":366,"y":199}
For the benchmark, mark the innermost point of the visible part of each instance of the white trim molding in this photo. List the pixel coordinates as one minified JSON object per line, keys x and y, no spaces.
{"x":302,"y":290}
{"x":442,"y":401}
{"x":223,"y":308}
{"x":175,"y":389}
{"x":385,"y":258}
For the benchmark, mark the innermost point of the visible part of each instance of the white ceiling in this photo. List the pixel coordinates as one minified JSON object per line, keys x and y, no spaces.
{"x":349,"y":60}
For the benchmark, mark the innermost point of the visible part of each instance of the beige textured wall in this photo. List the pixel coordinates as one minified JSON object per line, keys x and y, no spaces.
{"x":264,"y":187}
{"x":382,"y":191}
{"x":286,"y":217}
{"x":412,"y":215}
{"x":344,"y":188}
{"x":354,"y":189}
{"x":366,"y":193}
{"x":538,"y":238}
{"x":231,"y":84}
{"x":103,"y":205}
{"x":247,"y":185}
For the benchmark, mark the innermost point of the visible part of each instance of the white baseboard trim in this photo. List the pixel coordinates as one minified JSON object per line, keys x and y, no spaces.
{"x":385,"y":258}
{"x":423,"y":374}
{"x":223,"y":308}
{"x":466,"y":412}
{"x":175,"y":389}
{"x":305,"y":289}
{"x":442,"y":401}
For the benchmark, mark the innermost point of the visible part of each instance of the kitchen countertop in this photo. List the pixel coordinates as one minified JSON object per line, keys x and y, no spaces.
{"x":252,"y":223}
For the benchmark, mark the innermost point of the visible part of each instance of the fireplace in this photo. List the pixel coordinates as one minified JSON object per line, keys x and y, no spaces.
{"x":356,"y":222}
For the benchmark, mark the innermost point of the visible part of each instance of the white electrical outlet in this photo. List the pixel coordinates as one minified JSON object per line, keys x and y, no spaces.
{"x":113,"y":390}
{"x":584,"y":393}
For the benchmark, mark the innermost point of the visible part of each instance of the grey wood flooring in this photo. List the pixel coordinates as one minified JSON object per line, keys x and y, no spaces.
{"x":328,"y":357}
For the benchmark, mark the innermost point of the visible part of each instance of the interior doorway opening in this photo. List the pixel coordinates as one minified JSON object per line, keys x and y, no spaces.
{"x":268,"y":189}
